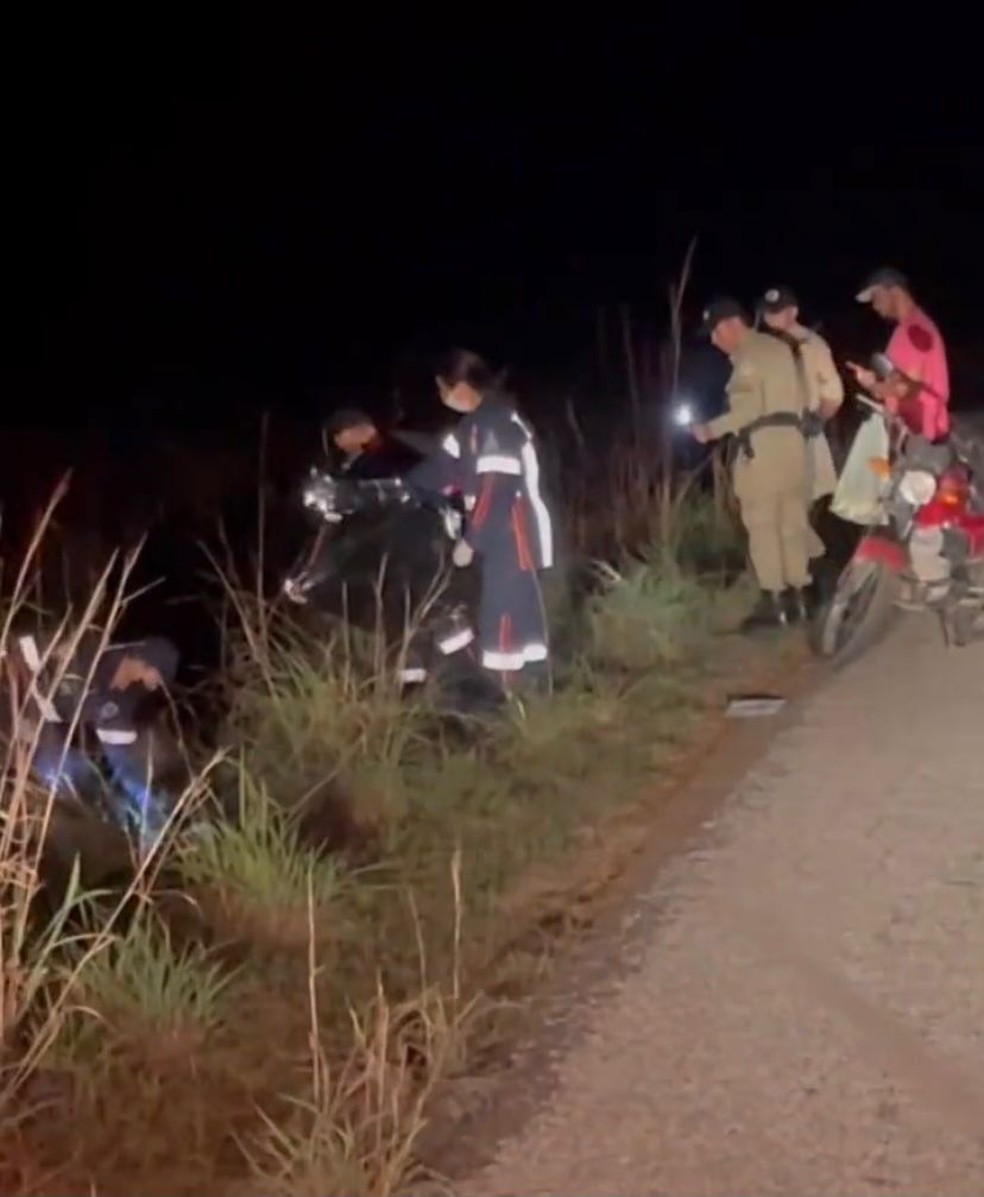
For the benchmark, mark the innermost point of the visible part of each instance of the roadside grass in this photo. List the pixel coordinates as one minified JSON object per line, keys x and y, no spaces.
{"x":142,"y":994}
{"x":250,"y":875}
{"x":369,"y":919}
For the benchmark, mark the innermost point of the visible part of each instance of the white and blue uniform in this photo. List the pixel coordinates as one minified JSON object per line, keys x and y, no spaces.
{"x":509,"y":526}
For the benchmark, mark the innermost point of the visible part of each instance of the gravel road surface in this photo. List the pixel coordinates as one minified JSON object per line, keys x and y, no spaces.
{"x":804,"y":1010}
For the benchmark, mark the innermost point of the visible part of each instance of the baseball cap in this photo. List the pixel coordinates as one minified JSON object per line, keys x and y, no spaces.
{"x":722,"y":308}
{"x":885,"y":276}
{"x":777,"y":299}
{"x":346,"y":417}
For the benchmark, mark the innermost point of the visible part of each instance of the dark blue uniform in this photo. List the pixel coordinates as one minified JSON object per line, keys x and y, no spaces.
{"x":88,"y":696}
{"x":509,"y":527}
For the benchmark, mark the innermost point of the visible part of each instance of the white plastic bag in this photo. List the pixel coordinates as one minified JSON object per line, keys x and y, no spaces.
{"x":860,"y":489}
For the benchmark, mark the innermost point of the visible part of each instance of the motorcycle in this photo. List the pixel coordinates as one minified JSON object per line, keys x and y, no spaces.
{"x":924,"y":553}
{"x":361,"y":523}
{"x":380,"y":558}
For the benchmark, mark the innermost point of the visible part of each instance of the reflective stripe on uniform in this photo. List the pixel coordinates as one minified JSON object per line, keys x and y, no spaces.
{"x":450,"y":445}
{"x":510,"y":662}
{"x":112,"y":736}
{"x":455,"y":642}
{"x":495,"y":463}
{"x":544,"y":527}
{"x":413,"y":674}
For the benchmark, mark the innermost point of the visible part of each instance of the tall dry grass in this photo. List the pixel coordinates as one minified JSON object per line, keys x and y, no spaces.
{"x":48,"y":949}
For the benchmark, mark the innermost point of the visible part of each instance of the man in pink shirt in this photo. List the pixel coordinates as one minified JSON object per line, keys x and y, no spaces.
{"x":919,"y":391}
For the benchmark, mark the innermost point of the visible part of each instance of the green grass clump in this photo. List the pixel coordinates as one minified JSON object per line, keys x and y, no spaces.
{"x":651,"y":614}
{"x":254,"y":871}
{"x":142,"y":992}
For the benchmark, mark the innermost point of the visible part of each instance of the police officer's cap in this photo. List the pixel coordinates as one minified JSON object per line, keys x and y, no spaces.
{"x":885,"y":276}
{"x":346,"y":417}
{"x":777,"y":299}
{"x":722,"y":308}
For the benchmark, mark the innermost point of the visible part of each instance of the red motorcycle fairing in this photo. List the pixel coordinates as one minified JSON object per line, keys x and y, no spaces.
{"x":939,"y":513}
{"x":884,"y":549}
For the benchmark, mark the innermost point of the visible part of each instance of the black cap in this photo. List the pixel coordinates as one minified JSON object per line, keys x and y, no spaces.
{"x":777,"y":299}
{"x":886,"y":276}
{"x":722,"y":308}
{"x":347,"y":417}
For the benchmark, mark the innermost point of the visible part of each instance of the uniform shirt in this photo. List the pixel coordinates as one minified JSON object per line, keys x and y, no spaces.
{"x":763,"y":381}
{"x":917,"y":349}
{"x":498,"y":471}
{"x":824,"y":386}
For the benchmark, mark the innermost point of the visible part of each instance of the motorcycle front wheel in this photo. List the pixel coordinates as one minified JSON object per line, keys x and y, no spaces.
{"x":860,"y":612}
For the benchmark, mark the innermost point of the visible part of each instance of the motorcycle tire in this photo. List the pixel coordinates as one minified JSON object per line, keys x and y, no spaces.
{"x":860,"y":613}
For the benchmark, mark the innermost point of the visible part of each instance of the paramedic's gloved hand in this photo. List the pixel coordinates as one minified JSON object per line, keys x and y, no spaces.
{"x":462,"y":554}
{"x":295,"y":591}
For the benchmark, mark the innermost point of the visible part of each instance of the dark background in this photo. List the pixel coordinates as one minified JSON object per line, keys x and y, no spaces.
{"x":238,"y":206}
{"x":218,"y":211}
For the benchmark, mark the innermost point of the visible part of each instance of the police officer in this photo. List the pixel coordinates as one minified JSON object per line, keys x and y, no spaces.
{"x":507,"y":523}
{"x":765,"y":414}
{"x":822,"y":386}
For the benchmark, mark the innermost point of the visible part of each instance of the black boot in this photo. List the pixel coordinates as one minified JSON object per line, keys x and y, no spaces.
{"x":533,"y":680}
{"x":799,"y":608}
{"x":769,"y":612}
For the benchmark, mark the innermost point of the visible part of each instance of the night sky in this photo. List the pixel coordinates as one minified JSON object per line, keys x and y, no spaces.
{"x":268,"y":205}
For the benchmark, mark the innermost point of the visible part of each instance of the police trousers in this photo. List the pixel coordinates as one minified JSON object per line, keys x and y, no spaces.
{"x":772,"y":494}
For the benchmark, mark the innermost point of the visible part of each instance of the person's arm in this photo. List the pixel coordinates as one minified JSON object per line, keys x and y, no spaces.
{"x":828,"y":380}
{"x":498,"y":471}
{"x":743,"y":403}
{"x":439,"y":474}
{"x":902,"y":396}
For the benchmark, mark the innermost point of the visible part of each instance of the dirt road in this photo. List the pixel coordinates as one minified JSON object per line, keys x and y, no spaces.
{"x":804,"y":1012}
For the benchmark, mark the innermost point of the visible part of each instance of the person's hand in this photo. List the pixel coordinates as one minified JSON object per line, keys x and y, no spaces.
{"x":462,"y":554}
{"x":294,"y":591}
{"x":133,"y":669}
{"x":864,"y":378}
{"x":702,"y":433}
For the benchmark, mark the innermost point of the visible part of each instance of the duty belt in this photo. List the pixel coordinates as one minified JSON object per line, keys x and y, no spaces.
{"x":809,"y":423}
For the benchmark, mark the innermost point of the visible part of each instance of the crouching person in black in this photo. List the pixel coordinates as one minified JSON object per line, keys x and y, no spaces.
{"x":76,"y":701}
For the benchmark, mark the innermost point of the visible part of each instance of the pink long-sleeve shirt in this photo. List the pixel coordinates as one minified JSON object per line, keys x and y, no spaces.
{"x":917,"y":349}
